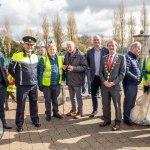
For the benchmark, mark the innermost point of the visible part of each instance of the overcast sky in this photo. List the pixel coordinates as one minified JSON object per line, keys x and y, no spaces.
{"x":92,"y":16}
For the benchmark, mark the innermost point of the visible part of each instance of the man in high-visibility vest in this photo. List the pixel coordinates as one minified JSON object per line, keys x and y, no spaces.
{"x":11,"y":89}
{"x":49,"y":80}
{"x":24,"y":69}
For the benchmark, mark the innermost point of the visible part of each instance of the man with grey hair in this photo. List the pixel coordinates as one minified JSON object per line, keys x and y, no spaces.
{"x":49,"y":80}
{"x":94,"y":58}
{"x":131,"y":80}
{"x":75,"y":65}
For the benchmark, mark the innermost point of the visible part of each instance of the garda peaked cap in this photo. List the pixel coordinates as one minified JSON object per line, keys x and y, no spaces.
{"x":29,"y":39}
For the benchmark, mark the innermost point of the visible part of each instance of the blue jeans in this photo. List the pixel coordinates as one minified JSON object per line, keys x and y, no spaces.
{"x":87,"y":74}
{"x":95,"y":85}
{"x":130,"y":92}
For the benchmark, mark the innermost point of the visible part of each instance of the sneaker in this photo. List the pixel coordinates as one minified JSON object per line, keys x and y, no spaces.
{"x":71,"y":113}
{"x":93,"y":114}
{"x":83,"y":94}
{"x":78,"y":115}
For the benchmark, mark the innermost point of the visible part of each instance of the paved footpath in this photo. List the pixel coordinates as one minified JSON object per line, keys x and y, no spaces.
{"x":70,"y":134}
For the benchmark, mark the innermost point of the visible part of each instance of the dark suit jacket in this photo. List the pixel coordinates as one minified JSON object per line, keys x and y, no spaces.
{"x":91,"y":62}
{"x":117,"y":72}
{"x":2,"y":69}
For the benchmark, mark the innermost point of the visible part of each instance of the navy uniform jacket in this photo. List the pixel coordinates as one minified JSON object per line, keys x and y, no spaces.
{"x":24,"y":68}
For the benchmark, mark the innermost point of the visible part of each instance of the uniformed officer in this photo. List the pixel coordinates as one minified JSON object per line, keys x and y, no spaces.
{"x":3,"y":85}
{"x":24,"y":69}
{"x":49,"y":80}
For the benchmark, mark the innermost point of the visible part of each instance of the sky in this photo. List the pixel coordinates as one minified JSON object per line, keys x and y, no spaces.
{"x":92,"y":16}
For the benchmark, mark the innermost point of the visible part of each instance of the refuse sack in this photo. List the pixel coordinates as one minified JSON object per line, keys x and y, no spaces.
{"x":62,"y":96}
{"x":140,"y":113}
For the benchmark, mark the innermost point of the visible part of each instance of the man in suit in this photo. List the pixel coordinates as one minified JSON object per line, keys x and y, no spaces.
{"x":112,"y":72}
{"x":131,"y":80}
{"x":3,"y":84}
{"x":94,"y":57}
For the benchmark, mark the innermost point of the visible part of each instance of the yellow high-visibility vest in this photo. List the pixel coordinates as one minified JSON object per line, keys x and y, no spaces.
{"x":11,"y":88}
{"x":147,"y":66}
{"x":46,"y":80}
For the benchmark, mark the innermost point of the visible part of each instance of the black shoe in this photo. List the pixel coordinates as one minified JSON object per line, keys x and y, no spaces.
{"x":37,"y":124}
{"x":103,"y":124}
{"x":58,"y":116}
{"x":19,"y":129}
{"x":128,"y":122}
{"x":5,"y":126}
{"x":48,"y":118}
{"x":93,"y":114}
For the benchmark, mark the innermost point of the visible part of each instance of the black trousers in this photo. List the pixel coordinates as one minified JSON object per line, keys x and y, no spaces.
{"x":2,"y":100}
{"x":22,"y":93}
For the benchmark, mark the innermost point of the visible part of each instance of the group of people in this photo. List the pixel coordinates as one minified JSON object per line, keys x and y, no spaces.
{"x":108,"y":70}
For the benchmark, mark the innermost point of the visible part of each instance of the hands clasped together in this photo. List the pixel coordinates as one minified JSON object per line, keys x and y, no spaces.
{"x":68,"y":67}
{"x":108,"y":84}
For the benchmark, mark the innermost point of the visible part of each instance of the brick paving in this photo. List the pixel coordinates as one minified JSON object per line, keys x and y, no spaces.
{"x":71,"y":134}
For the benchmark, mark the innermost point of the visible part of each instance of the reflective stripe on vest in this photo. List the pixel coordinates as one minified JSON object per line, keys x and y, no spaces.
{"x":46,"y":80}
{"x":11,"y":88}
{"x":147,"y":66}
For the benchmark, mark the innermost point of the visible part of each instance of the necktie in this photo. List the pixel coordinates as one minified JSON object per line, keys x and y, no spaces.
{"x":109,"y":62}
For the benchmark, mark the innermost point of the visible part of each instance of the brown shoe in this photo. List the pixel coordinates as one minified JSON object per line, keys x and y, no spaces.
{"x":78,"y":115}
{"x":71,"y":113}
{"x":116,"y":127}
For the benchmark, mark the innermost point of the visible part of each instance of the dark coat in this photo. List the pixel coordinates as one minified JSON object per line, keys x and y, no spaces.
{"x":2,"y":69}
{"x":78,"y":61}
{"x":91,"y":62}
{"x":133,"y":74}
